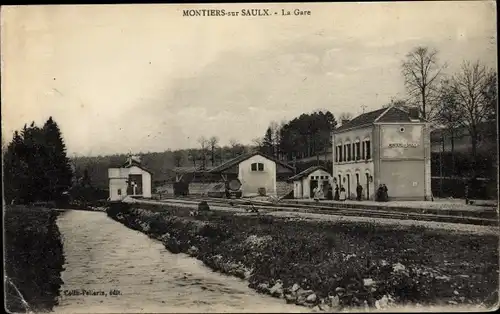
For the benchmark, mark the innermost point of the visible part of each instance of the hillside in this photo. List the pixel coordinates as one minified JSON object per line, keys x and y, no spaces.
{"x":161,"y":164}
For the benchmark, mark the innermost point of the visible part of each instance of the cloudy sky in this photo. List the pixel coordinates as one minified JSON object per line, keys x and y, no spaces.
{"x":122,"y":78}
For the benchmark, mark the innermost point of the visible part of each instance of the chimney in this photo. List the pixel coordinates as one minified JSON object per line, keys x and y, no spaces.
{"x":414,"y":113}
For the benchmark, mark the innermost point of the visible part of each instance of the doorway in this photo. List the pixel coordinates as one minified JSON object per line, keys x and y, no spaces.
{"x":367,"y":186}
{"x":134,"y":180}
{"x":313,"y":185}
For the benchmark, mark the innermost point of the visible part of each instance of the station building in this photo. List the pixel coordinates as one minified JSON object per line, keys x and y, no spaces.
{"x":388,"y":146}
{"x":129,"y":179}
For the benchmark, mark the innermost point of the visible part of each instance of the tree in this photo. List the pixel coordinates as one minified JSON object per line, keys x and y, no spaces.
{"x":236,"y":148}
{"x":306,"y":135}
{"x":58,"y":170}
{"x":267,"y":143}
{"x":213,"y":141}
{"x":471,"y":89}
{"x":178,"y":158}
{"x":258,"y":144}
{"x":86,"y":181}
{"x":421,"y":72}
{"x":36,"y":166}
{"x":14,"y":169}
{"x":204,"y":145}
{"x":193,"y":155}
{"x":398,"y":103}
{"x":447,"y":115}
{"x":345,"y":116}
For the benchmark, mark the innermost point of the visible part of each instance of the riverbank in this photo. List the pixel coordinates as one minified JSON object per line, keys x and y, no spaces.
{"x":33,"y":258}
{"x":330,"y":265}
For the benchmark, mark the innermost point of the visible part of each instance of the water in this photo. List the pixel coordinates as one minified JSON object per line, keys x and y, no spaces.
{"x":131,"y":273}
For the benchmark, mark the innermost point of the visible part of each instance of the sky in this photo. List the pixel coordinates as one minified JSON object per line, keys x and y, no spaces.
{"x":145,"y":78}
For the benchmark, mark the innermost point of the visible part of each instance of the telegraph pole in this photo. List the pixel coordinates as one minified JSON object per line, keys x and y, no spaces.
{"x":441,"y":165}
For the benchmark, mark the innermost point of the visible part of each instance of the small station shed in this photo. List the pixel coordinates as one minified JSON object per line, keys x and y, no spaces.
{"x":306,"y":181}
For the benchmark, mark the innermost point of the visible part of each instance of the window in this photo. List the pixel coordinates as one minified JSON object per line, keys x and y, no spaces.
{"x":358,"y":151}
{"x":364,"y":151}
{"x":349,"y":156}
{"x":257,"y":166}
{"x":119,"y":191}
{"x":368,"y":150}
{"x":357,"y":179}
{"x":402,"y":129}
{"x":340,"y":153}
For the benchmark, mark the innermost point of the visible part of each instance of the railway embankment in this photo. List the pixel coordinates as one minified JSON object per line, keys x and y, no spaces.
{"x":329,"y":265}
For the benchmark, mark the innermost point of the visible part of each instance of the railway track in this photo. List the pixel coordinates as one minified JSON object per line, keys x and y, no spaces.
{"x":263,"y":207}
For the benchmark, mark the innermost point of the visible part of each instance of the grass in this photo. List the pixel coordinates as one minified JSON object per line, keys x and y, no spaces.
{"x":332,"y":259}
{"x":33,"y":258}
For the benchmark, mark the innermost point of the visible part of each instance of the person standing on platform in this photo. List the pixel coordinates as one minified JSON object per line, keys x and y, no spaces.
{"x":359,"y":192}
{"x":380,"y":193}
{"x":337,"y":195}
{"x":329,"y":194}
{"x":385,"y":194}
{"x":315,"y":194}
{"x":342,"y":194}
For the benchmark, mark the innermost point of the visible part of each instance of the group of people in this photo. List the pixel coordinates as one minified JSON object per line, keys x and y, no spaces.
{"x":382,"y":195}
{"x":341,"y":195}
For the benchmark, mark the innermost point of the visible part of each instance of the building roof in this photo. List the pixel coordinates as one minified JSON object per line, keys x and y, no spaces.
{"x":134,"y":163}
{"x":307,"y":172}
{"x":390,"y":114}
{"x":237,"y":160}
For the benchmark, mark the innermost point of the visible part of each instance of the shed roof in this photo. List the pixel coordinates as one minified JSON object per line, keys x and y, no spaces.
{"x":390,"y":114}
{"x":128,"y":164}
{"x":237,"y":160}
{"x":307,"y":172}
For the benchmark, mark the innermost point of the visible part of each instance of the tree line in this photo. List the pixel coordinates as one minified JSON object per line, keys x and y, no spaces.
{"x":161,"y":164}
{"x":36,"y":167}
{"x":464,"y":99}
{"x":304,"y":136}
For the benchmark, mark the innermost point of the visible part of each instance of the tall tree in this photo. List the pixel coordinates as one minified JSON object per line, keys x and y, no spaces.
{"x":421,"y":71}
{"x":15,"y":169}
{"x":86,"y":181}
{"x":267,"y":144}
{"x":213,"y":141}
{"x":236,"y":148}
{"x":58,"y":169}
{"x":178,"y":156}
{"x":472,"y":90}
{"x":204,"y":146}
{"x":448,"y":116}
{"x":193,"y":155}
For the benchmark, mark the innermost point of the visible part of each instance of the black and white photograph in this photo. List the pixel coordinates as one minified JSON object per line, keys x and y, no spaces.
{"x":250,"y":157}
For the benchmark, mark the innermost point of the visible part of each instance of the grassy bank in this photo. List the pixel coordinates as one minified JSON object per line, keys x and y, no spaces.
{"x":33,"y":258}
{"x":331,"y":265}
